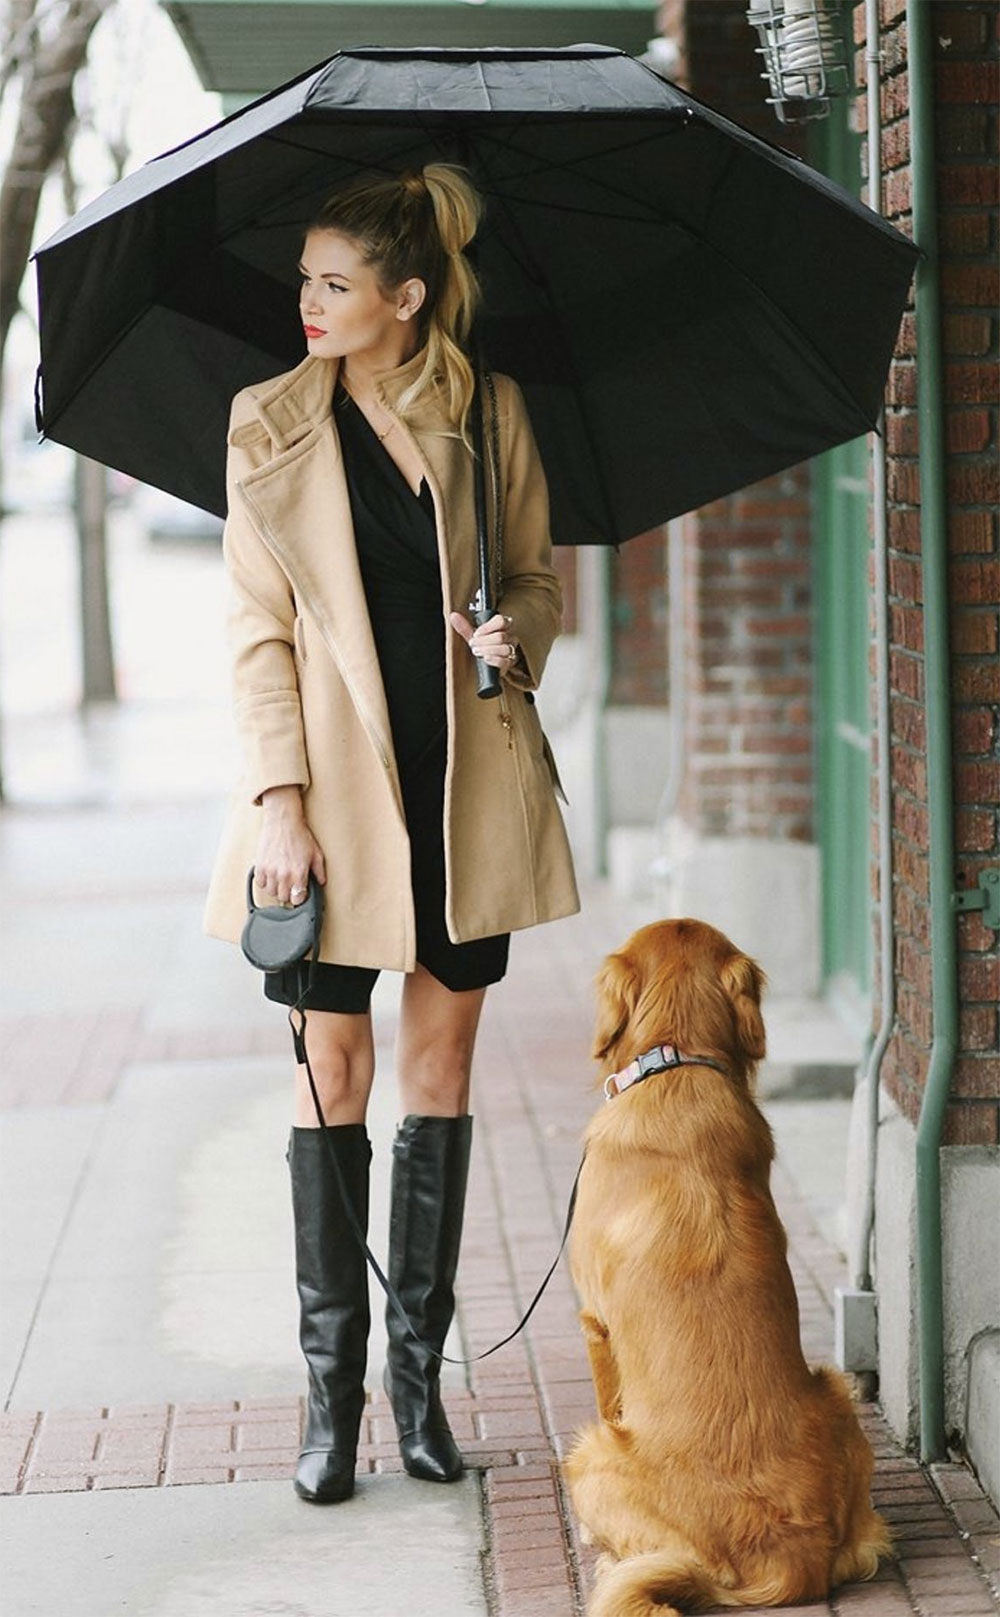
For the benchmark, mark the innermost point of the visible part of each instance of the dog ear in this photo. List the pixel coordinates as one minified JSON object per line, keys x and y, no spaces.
{"x":744,"y":981}
{"x":617,"y":986}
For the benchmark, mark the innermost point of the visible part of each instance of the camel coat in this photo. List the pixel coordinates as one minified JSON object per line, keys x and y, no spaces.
{"x":310,"y":706}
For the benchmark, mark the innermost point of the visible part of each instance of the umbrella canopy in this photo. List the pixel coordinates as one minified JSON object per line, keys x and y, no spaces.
{"x":686,"y":307}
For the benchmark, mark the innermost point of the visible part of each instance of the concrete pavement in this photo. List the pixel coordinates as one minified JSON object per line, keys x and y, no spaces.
{"x":151,"y":1374}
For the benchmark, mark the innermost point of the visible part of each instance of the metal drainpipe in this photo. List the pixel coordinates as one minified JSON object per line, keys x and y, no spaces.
{"x":602,"y":608}
{"x":677,"y":688}
{"x":880,"y":543}
{"x":933,"y":537}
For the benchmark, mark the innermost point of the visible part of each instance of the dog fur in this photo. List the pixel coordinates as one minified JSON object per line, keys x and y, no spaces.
{"x":722,"y":1470}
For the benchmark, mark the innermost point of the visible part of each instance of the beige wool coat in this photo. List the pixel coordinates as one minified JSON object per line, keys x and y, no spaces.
{"x":309,"y":701}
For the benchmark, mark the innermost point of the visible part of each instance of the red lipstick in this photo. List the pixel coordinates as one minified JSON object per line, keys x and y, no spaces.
{"x":314,"y":331}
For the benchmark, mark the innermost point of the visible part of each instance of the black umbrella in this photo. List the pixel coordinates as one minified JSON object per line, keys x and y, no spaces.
{"x":686,"y":307}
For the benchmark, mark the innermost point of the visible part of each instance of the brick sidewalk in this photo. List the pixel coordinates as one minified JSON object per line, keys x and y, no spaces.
{"x":524,"y":1403}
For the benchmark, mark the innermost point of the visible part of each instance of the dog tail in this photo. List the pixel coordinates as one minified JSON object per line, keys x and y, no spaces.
{"x":663,"y":1581}
{"x":650,"y":1585}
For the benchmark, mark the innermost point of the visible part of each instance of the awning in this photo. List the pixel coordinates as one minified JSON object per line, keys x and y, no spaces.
{"x":245,"y":47}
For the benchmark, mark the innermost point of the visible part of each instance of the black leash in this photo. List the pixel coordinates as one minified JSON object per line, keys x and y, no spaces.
{"x":302,"y":1056}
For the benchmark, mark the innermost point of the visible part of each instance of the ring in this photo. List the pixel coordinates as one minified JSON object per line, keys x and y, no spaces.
{"x":508,"y":620}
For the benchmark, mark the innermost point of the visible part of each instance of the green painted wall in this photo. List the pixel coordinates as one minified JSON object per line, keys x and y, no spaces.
{"x":841,"y":527}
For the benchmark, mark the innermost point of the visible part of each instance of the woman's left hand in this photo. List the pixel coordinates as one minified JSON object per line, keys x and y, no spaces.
{"x":494,"y":641}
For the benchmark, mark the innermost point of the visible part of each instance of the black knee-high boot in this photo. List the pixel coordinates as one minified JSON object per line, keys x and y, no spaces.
{"x":430,"y":1169}
{"x":333,"y":1295}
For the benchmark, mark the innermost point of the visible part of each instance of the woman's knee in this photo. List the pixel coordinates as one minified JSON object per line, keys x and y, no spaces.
{"x":437,"y":1076}
{"x":342,"y":1065}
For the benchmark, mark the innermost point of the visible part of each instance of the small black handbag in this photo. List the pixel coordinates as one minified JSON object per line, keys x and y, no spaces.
{"x":278,"y":935}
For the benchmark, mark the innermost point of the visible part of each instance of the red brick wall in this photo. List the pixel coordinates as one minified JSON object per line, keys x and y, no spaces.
{"x":639,"y":621}
{"x":748,"y":613}
{"x":966,"y":37}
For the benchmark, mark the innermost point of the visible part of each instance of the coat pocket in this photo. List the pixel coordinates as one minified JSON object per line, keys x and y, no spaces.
{"x":523,"y":703}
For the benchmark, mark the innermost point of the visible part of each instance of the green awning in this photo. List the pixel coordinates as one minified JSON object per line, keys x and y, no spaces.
{"x":245,"y":47}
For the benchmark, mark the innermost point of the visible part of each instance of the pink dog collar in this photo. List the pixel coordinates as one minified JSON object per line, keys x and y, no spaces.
{"x":662,"y":1058}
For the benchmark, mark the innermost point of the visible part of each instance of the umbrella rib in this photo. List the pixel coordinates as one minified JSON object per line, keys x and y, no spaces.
{"x":664,"y":217}
{"x":596,"y":459}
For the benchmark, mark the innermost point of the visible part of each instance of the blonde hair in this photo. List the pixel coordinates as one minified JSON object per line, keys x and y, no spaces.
{"x":417,"y":225}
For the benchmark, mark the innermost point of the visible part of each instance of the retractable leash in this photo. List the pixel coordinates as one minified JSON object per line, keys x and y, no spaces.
{"x":302,"y":1056}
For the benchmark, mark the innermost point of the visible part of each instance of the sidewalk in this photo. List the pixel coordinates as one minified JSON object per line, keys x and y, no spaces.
{"x":148,"y":1354}
{"x":148,"y":1350}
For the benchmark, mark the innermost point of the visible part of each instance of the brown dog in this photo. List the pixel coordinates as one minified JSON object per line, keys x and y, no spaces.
{"x":723,"y":1471}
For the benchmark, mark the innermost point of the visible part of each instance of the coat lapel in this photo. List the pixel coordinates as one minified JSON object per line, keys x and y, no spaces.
{"x":299,"y":503}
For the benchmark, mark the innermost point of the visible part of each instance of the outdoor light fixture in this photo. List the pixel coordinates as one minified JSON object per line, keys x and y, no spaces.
{"x":806,"y":58}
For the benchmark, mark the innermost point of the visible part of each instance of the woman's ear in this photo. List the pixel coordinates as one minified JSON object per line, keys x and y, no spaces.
{"x":743,"y":981}
{"x":410,"y":298}
{"x":617,"y":987}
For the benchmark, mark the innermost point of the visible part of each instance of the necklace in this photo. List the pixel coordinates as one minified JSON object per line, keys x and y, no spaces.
{"x":381,"y":436}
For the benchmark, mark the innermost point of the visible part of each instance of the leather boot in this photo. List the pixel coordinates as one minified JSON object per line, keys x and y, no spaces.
{"x":332,"y":1283}
{"x":430,"y":1169}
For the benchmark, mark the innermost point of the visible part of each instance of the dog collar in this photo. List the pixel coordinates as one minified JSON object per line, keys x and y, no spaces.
{"x":662,"y":1058}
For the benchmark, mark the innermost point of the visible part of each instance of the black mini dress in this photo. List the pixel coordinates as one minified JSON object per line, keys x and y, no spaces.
{"x":396,"y":539}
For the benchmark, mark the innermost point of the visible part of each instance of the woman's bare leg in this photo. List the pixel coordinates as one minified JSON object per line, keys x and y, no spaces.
{"x":434,"y":1046}
{"x":342,"y":1056}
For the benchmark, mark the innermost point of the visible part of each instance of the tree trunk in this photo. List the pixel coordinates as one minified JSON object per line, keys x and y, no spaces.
{"x":47,"y":61}
{"x":95,"y":613}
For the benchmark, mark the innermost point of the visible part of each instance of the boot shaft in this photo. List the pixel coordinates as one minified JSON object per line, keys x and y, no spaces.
{"x":430,"y":1171}
{"x":331,"y":1275}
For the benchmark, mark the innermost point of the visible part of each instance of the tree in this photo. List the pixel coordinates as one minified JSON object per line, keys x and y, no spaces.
{"x":45,"y":46}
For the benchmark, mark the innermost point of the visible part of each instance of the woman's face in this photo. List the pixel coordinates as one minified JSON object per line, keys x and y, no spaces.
{"x":343,"y":308}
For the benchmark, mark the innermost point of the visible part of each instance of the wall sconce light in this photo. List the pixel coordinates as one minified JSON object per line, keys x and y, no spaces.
{"x":806,"y":56}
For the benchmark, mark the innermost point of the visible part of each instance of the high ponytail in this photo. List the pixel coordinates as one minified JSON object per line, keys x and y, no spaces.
{"x":419,"y":224}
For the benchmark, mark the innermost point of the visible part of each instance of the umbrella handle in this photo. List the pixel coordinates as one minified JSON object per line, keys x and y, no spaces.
{"x":482,"y":609}
{"x":487,"y":677}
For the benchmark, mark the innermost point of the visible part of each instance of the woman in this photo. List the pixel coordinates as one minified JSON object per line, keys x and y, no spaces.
{"x":428,"y":814}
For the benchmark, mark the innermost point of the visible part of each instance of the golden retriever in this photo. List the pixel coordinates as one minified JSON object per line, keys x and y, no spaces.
{"x":722,"y":1471}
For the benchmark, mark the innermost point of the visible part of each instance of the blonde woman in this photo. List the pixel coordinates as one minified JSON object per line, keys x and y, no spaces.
{"x":428,"y":814}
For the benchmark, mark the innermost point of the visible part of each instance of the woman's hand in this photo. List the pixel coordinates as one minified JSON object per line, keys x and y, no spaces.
{"x":286,"y":848}
{"x":494,"y":641}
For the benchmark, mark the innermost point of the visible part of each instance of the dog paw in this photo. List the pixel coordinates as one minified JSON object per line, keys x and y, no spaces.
{"x":586,"y":1536}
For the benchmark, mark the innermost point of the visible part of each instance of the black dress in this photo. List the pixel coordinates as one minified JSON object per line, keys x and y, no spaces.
{"x":396,"y":539}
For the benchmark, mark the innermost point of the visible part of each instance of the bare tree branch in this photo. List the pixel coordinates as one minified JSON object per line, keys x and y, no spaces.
{"x":44,"y":119}
{"x":20,"y":21}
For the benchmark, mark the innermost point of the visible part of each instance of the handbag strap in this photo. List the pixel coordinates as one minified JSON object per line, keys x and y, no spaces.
{"x":302,"y":1056}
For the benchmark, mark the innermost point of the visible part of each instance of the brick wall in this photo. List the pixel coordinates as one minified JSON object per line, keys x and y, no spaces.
{"x":748,"y":599}
{"x":967,"y":44}
{"x":750,"y":656}
{"x":639,"y":622}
